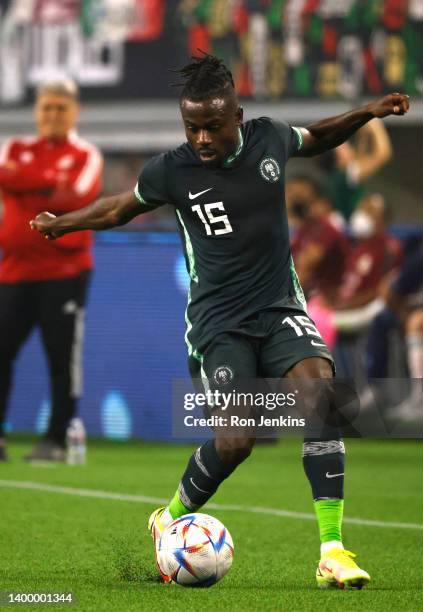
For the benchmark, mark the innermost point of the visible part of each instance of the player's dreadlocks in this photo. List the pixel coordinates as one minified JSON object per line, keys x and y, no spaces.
{"x":204,"y":78}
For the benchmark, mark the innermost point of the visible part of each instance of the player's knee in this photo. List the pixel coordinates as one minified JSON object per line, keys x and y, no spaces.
{"x":311,"y":367}
{"x":320,"y":368}
{"x":233,"y":451}
{"x":325,"y":369}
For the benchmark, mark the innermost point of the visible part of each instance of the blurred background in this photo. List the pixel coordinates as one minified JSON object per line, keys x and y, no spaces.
{"x":293,"y":60}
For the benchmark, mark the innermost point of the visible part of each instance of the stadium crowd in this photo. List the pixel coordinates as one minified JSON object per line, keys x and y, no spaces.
{"x":363,"y":281}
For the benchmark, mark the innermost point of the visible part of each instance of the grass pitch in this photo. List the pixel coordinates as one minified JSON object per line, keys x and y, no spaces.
{"x":66,"y":537}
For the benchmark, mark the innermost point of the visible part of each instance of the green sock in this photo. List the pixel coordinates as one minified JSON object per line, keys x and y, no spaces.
{"x":329,"y":518}
{"x":176,"y":507}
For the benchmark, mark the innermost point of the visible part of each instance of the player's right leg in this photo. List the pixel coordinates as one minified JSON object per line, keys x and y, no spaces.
{"x":229,"y":358}
{"x":16,"y":322}
{"x":295,"y":350}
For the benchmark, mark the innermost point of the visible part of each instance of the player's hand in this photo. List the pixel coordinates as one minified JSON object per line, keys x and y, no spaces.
{"x":392,"y":104}
{"x":44,"y":223}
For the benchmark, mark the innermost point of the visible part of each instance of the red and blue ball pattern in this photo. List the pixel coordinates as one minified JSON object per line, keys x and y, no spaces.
{"x":196,"y":550}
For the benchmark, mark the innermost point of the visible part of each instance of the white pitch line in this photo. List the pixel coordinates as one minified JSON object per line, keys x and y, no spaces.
{"x":144,"y":499}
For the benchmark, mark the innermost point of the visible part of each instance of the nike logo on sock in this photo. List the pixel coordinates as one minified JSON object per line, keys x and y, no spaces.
{"x":198,"y":488}
{"x":331,"y":475}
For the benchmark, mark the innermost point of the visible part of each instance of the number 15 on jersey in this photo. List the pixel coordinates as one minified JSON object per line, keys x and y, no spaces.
{"x":206,"y":212}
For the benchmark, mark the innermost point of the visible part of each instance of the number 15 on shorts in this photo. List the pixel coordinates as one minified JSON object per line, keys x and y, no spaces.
{"x":302,"y":326}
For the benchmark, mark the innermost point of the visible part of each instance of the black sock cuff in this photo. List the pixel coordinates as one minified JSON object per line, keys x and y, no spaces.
{"x":325,"y":472}
{"x":202,"y":477}
{"x":206,"y":457}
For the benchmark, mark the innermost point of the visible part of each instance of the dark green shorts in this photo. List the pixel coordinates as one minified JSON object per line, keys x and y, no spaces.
{"x":266,"y":346}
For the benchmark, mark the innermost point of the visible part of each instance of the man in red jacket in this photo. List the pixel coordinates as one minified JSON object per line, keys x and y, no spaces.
{"x":44,"y":283}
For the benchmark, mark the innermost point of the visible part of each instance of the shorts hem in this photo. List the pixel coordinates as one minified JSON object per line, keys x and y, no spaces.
{"x":296,"y":360}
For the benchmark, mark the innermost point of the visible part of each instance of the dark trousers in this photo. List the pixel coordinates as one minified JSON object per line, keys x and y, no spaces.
{"x":378,"y":341}
{"x":57,"y":308}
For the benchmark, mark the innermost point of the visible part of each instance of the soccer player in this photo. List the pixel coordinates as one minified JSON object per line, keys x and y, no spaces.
{"x":246,"y":313}
{"x":45,"y":284}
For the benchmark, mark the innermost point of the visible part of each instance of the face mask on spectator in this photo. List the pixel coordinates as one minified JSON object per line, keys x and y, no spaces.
{"x":300,"y":208}
{"x":362,"y":225}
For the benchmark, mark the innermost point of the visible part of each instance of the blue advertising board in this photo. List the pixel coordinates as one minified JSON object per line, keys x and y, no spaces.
{"x":134,"y":342}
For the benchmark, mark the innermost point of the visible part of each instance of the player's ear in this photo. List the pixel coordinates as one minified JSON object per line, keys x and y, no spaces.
{"x":239,"y":115}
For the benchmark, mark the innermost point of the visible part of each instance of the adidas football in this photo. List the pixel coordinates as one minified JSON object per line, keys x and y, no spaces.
{"x":195,"y":550}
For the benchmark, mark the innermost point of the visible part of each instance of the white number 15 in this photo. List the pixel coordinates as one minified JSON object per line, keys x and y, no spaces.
{"x":213,"y":219}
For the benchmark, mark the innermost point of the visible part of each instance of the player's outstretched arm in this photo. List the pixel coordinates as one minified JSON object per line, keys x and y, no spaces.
{"x":102,"y":214}
{"x":329,"y":133}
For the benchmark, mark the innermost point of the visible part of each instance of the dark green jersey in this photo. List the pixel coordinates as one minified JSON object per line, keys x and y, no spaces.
{"x":233,"y":226}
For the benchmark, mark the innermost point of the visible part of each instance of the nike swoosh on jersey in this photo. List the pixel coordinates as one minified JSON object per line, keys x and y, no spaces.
{"x":333,"y":475}
{"x":192,"y":196}
{"x":315,"y":343}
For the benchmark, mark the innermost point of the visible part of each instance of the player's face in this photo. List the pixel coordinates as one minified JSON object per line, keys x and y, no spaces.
{"x":55,"y":115}
{"x":211,"y":127}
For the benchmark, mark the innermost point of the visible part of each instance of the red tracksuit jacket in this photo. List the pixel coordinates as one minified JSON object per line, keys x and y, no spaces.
{"x":36,"y":175}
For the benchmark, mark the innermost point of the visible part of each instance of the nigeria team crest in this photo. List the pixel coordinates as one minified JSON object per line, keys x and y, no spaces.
{"x":223,"y":375}
{"x":269,"y":169}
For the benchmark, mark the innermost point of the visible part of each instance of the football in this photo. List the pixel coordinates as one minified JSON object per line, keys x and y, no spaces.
{"x":195,"y":550}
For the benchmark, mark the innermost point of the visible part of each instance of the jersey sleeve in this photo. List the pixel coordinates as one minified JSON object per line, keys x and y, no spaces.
{"x":151,"y":190}
{"x":291,"y":137}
